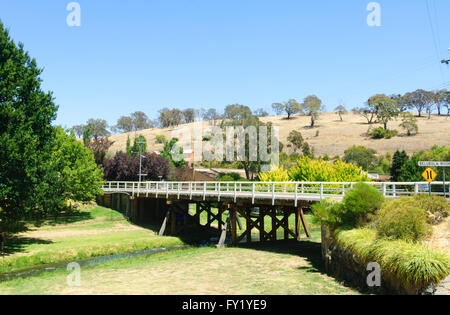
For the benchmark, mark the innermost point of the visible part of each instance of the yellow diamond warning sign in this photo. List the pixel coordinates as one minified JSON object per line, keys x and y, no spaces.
{"x":429,"y":175}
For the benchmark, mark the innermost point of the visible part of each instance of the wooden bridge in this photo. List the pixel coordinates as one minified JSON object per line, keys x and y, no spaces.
{"x":172,"y":203}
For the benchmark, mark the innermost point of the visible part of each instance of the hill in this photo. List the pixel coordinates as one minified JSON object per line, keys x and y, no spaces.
{"x":334,"y":136}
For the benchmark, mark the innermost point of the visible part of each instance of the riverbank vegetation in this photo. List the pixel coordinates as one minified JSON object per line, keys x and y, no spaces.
{"x":389,"y":232}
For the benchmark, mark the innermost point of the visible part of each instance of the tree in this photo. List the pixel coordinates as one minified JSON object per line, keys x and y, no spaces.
{"x":189,"y":115}
{"x":136,"y":148}
{"x":296,"y":139}
{"x":238,"y":112}
{"x":261,"y":112}
{"x":128,"y":148}
{"x":27,"y":137}
{"x":368,"y":112}
{"x":99,"y":148}
{"x":446,"y":101}
{"x":79,"y":177}
{"x":418,"y":99}
{"x":386,"y":108}
{"x":291,"y":107}
{"x":79,"y":130}
{"x":123,"y":167}
{"x":124,"y":124}
{"x":211,"y":115}
{"x":312,"y":106}
{"x":174,"y":153}
{"x":170,"y":117}
{"x":409,"y":123}
{"x":442,"y":100}
{"x":140,"y":121}
{"x":240,"y":116}
{"x":340,"y":110}
{"x":399,"y":159}
{"x":98,"y":128}
{"x":361,"y":156}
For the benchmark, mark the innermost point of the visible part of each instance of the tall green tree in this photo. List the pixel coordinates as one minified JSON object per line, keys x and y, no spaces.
{"x":136,"y":148}
{"x":290,"y":107}
{"x":386,"y":108}
{"x":341,"y":111}
{"x":98,"y":128}
{"x":79,"y":177}
{"x":26,"y":136}
{"x":361,"y":156}
{"x":312,"y":106}
{"x":399,"y":159}
{"x":296,"y":139}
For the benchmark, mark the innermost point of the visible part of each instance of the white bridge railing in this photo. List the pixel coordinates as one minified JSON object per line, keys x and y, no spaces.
{"x":285,"y":191}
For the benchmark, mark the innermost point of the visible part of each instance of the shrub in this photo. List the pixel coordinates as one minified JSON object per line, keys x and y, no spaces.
{"x":361,"y":202}
{"x":276,"y":175}
{"x":361,"y":156}
{"x":161,"y":139}
{"x":410,"y":263}
{"x":381,"y":133}
{"x":230,"y":177}
{"x":402,"y":219}
{"x":322,"y":171}
{"x":328,"y":212}
{"x":436,"y":208}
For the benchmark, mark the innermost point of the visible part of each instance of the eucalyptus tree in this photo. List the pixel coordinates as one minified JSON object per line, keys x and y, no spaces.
{"x":290,"y":107}
{"x":341,"y":110}
{"x":312,"y":106}
{"x":386,"y":108}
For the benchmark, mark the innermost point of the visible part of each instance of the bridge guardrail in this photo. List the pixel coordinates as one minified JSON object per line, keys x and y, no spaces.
{"x":291,"y":191}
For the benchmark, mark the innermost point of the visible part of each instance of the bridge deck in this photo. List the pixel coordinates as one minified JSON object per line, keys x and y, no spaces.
{"x":256,"y":192}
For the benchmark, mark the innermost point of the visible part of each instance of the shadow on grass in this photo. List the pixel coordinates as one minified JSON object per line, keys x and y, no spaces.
{"x":69,"y":218}
{"x":18,"y":244}
{"x":310,"y":251}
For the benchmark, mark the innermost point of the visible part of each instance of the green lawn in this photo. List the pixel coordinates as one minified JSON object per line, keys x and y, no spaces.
{"x":292,"y":268}
{"x":92,"y":233}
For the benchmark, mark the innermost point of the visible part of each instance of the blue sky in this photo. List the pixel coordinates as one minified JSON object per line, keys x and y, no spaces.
{"x":146,"y":55}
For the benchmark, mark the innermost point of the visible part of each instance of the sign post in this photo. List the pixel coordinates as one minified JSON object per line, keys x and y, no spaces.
{"x":430,"y":174}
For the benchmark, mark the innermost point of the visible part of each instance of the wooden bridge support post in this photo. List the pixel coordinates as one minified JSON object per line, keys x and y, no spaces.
{"x":233,"y":225}
{"x":300,"y":217}
{"x":248,"y":211}
{"x":273,"y":233}
{"x":286,"y":214}
{"x":262,"y":214}
{"x":223,"y":235}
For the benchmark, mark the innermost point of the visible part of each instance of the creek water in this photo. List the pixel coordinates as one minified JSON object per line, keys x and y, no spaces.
{"x":87,"y":262}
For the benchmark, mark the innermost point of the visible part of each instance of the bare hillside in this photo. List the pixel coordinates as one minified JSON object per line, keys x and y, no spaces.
{"x":334,"y":136}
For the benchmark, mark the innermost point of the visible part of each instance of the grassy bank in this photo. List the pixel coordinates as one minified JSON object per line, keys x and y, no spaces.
{"x":412,"y":264}
{"x":91,"y":233}
{"x":293,"y":268}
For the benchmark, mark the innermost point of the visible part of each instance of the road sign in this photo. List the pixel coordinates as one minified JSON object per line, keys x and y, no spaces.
{"x":434,"y":164}
{"x":429,"y":175}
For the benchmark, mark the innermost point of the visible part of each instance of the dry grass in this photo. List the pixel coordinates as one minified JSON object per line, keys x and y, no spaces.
{"x":440,"y":239}
{"x":334,"y":136}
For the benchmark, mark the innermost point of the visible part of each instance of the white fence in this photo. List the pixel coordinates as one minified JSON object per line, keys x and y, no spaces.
{"x":286,"y":191}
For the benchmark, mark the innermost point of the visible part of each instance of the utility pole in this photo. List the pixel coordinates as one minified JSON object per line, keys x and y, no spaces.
{"x":447,"y":62}
{"x":140,"y":159}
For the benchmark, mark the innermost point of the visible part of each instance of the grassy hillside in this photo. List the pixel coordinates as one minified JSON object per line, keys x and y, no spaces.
{"x":334,"y":136}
